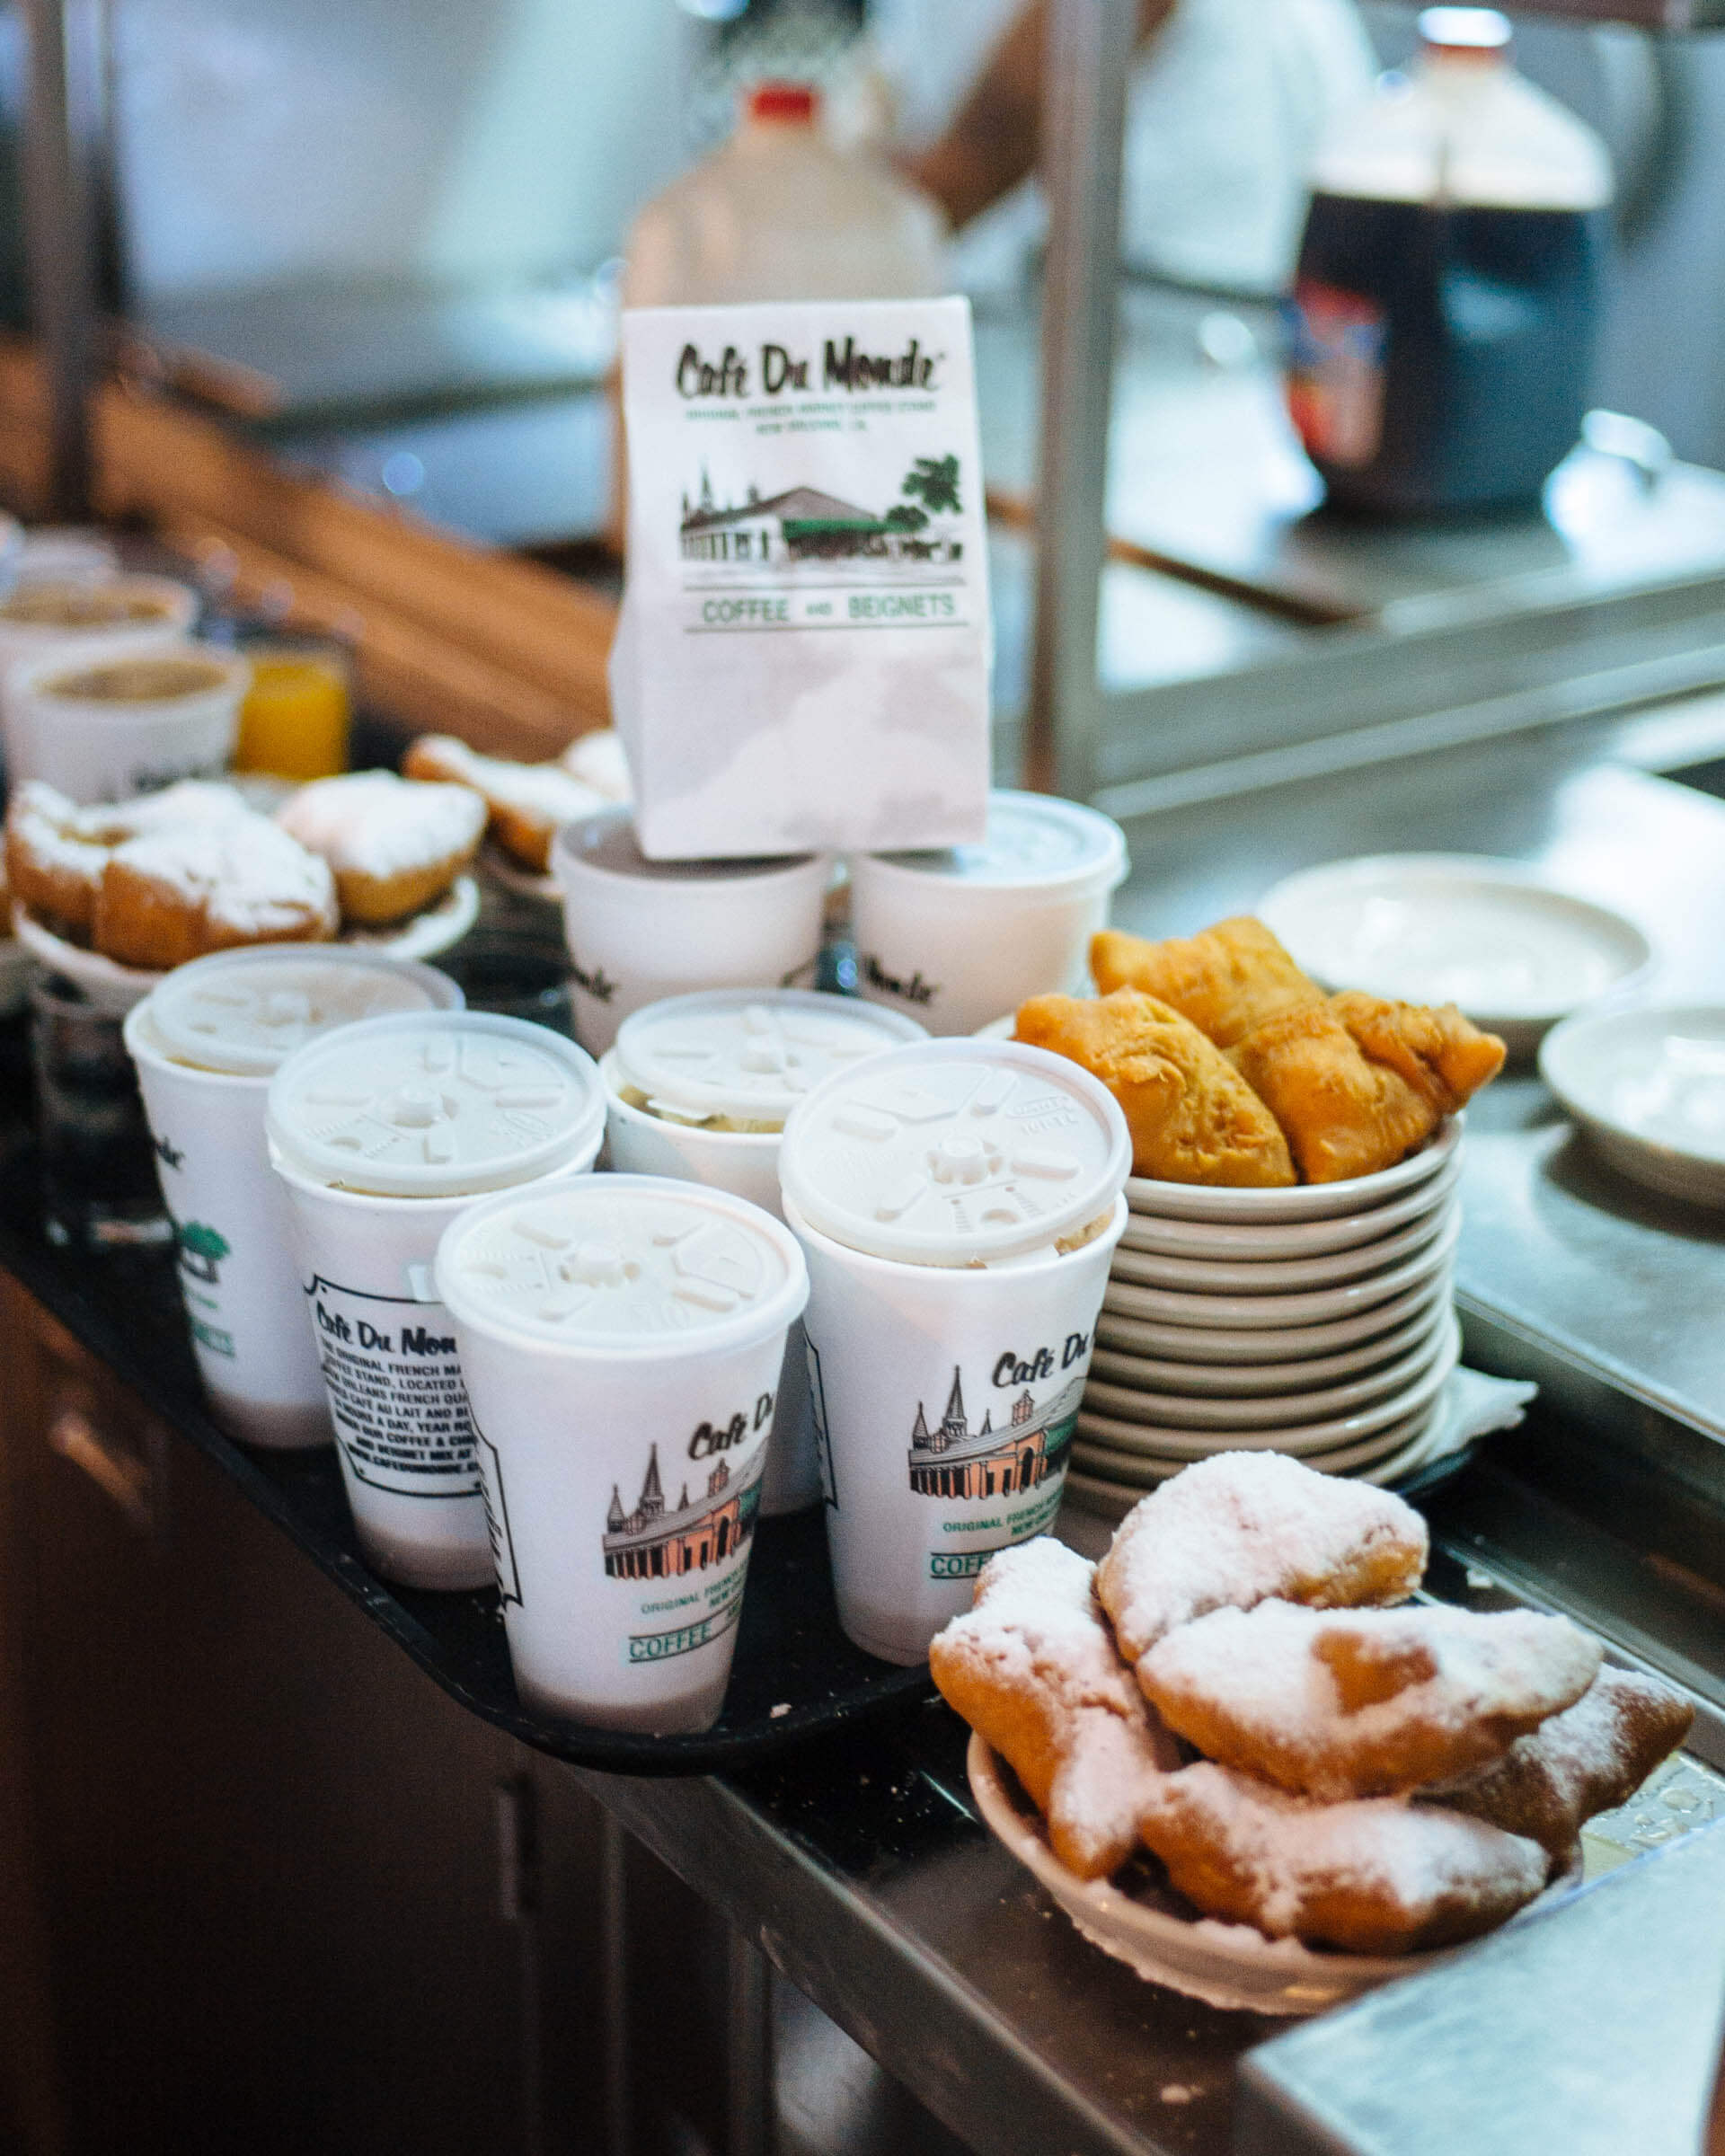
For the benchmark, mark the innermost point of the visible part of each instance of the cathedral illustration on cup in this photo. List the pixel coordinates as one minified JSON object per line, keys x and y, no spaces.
{"x":951,"y":1460}
{"x":652,"y":1543}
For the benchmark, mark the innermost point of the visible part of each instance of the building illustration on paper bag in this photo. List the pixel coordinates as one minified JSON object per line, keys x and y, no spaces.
{"x":653,"y":1543}
{"x":806,"y":523}
{"x":951,"y":1460}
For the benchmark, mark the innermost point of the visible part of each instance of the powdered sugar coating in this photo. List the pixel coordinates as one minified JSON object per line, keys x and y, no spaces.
{"x":1238,"y":1528}
{"x":1363,"y":1701}
{"x":250,"y":880}
{"x":1594,"y":1755}
{"x":546,"y":792}
{"x":596,"y":760}
{"x":1033,"y":1667}
{"x":1377,"y":1875}
{"x":373,"y":824}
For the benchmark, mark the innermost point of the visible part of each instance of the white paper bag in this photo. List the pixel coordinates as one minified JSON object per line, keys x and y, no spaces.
{"x":803,"y":655}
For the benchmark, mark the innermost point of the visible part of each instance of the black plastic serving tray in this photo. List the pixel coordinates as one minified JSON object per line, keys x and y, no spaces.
{"x":795,"y":1674}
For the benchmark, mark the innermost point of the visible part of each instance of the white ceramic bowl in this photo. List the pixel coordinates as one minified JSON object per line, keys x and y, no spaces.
{"x":1098,"y":1489}
{"x":1514,"y":952}
{"x":1228,"y":1966}
{"x":1318,"y":1307}
{"x":1124,"y":1364}
{"x":1151,"y":1468}
{"x":1273,"y":1276}
{"x":1304,"y":1201}
{"x":1117,"y":1387}
{"x":1127,"y":1429}
{"x":1647,"y":1087}
{"x":1236,"y":1242}
{"x":1222,"y":1345}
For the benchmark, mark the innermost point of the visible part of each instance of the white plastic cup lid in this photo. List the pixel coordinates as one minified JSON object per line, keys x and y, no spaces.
{"x":749,"y":1053}
{"x":956,"y":1152}
{"x":606,"y":844}
{"x":435,"y":1104}
{"x":634,"y":1263}
{"x":1033,"y":840}
{"x":243,"y":1012}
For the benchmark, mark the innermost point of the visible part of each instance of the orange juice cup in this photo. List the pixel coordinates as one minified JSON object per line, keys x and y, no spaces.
{"x":293,"y":721}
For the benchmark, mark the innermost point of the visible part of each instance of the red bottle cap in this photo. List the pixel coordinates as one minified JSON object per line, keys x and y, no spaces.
{"x":783,"y":100}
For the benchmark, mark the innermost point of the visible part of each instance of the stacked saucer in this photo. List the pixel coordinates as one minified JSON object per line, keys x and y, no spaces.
{"x":1316,"y":1322}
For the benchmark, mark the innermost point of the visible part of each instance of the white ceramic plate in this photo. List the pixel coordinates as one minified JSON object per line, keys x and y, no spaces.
{"x":115,"y":988}
{"x":1127,"y":1430}
{"x":1647,"y":1087}
{"x":1514,"y":952}
{"x":1292,"y":1238}
{"x":1223,"y":1345}
{"x":1124,"y":1365}
{"x":1319,"y":1306}
{"x":1229,"y":1966}
{"x":509,"y":875}
{"x":1304,"y":1201}
{"x":1117,"y":1387}
{"x":1272,"y":1275}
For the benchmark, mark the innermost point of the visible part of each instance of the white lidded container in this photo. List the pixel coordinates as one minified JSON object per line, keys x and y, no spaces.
{"x":622,"y":1337}
{"x":42,"y":616}
{"x":381,"y":1135}
{"x":640,"y":929}
{"x":957,"y":1202}
{"x":961,"y":937}
{"x":206,"y":1041}
{"x":126,"y":718}
{"x":699,"y":1087}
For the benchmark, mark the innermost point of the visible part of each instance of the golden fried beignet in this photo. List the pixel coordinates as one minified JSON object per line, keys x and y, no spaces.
{"x":1378,"y":1875}
{"x":1241,"y":1528}
{"x":1193,"y":1119}
{"x":1592,"y":1756}
{"x":1440,"y":1054}
{"x":1342,"y":1115}
{"x":1227,"y":980}
{"x":1033,"y":1668}
{"x":1364,"y":1703}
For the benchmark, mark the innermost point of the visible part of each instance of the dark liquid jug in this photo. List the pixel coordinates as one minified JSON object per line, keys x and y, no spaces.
{"x":1445,"y":303}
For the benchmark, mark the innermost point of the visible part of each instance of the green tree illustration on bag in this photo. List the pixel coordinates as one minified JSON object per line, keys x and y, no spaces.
{"x":935,"y":479}
{"x":201,"y":1248}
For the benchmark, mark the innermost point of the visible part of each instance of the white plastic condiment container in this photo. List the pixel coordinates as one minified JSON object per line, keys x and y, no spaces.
{"x":739,"y":1055}
{"x":958,"y":1203}
{"x":640,"y":929}
{"x":381,"y":1135}
{"x":96,"y":746}
{"x":207,"y":1041}
{"x":622,"y":1337}
{"x":962,"y":937}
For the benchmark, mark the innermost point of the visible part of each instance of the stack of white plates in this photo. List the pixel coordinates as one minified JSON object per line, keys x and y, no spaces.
{"x":1315,"y":1322}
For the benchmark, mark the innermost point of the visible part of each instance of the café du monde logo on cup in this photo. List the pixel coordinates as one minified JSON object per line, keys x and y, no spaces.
{"x":661,"y":1542}
{"x":949,"y":1459}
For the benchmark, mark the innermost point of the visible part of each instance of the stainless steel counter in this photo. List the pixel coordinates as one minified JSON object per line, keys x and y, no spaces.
{"x":857,"y":1867}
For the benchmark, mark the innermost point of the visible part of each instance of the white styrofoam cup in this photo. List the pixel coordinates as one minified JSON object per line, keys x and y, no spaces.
{"x":640,"y":929}
{"x":621,"y":1340}
{"x":233,"y":1229}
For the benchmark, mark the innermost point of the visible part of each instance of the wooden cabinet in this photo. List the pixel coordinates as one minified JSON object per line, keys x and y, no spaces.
{"x":252,"y":1863}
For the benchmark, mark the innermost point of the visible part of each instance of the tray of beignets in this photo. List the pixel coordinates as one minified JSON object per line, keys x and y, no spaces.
{"x":1246,"y":1760}
{"x":1238,"y":1073}
{"x":113,"y":895}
